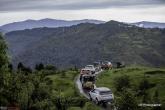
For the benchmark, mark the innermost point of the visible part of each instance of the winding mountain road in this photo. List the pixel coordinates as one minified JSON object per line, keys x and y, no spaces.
{"x":79,"y":86}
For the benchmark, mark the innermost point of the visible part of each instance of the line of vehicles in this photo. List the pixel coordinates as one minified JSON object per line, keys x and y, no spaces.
{"x":88,"y":78}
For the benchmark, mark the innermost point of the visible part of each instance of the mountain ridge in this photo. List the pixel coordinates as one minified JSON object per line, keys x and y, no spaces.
{"x":148,"y":24}
{"x":84,"y":43}
{"x":47,"y":22}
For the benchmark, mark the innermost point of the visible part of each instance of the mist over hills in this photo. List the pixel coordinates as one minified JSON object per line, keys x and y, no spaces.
{"x":52,"y":23}
{"x":84,"y":43}
{"x":147,"y":24}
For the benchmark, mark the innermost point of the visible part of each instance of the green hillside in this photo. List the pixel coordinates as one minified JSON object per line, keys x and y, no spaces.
{"x":84,"y":43}
{"x":43,"y":88}
{"x":47,"y":88}
{"x":139,"y":78}
{"x":64,"y":87}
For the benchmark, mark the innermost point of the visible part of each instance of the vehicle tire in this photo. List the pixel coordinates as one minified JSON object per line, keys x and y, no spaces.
{"x":97,"y":101}
{"x":82,"y":85}
{"x":90,"y":98}
{"x":80,"y":78}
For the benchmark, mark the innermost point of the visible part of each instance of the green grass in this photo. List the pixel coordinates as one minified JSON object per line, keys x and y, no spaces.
{"x":63,"y":83}
{"x":154,"y":75}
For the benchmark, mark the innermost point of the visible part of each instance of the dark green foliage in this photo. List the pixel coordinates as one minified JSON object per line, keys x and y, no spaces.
{"x":36,"y":90}
{"x":156,"y":97}
{"x":90,"y":106}
{"x":50,"y":67}
{"x":146,"y":98}
{"x":163,"y":105}
{"x":143,"y":86}
{"x":127,"y":101}
{"x":22,"y":68}
{"x":39,"y":67}
{"x":28,"y":90}
{"x":85,"y":43}
{"x":122,"y":82}
{"x":148,"y":88}
{"x":5,"y":77}
{"x":3,"y":52}
{"x":155,"y":72}
{"x":61,"y":103}
{"x":10,"y":66}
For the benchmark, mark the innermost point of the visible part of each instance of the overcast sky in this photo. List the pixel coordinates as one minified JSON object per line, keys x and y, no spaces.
{"x":120,"y":10}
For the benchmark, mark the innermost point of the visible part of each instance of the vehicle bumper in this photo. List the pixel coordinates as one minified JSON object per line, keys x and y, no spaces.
{"x":107,"y":100}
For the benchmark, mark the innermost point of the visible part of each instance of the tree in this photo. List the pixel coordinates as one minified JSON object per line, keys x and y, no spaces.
{"x":127,"y":101}
{"x":20,"y":66}
{"x":39,"y":66}
{"x":4,"y":73}
{"x":10,"y":66}
{"x":3,"y":52}
{"x":122,"y":82}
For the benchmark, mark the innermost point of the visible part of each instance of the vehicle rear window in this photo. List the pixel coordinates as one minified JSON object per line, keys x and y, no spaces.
{"x":105,"y":92}
{"x":89,"y":66}
{"x":89,"y":79}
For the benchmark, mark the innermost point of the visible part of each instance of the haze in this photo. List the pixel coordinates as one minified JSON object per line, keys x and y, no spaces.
{"x":120,"y":10}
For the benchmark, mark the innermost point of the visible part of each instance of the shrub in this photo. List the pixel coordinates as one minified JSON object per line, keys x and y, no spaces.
{"x":90,"y":106}
{"x":127,"y":101}
{"x":122,"y":82}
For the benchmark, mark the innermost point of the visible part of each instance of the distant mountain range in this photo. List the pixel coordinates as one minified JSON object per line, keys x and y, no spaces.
{"x":52,"y":23}
{"x":147,"y":24}
{"x":86,"y":42}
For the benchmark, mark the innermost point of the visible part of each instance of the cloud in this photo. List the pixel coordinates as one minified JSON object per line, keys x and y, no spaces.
{"x":120,"y":10}
{"x":155,"y":14}
{"x":40,"y":5}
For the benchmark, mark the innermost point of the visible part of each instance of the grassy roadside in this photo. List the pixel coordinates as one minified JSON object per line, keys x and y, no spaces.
{"x":65,"y":87}
{"x":156,"y":76}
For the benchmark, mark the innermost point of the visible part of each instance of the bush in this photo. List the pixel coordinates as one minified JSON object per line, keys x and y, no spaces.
{"x":90,"y":106}
{"x":122,"y":82}
{"x":143,"y":86}
{"x":163,"y":105}
{"x":127,"y":101}
{"x":74,"y":108}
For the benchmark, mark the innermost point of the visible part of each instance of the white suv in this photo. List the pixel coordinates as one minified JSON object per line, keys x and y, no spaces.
{"x":101,"y":94}
{"x":91,"y":68}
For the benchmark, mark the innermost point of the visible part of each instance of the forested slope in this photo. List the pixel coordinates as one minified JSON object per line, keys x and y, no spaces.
{"x":84,"y":43}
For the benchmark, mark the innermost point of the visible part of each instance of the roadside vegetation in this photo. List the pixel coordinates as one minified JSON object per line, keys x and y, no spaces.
{"x":47,"y":88}
{"x":42,"y":88}
{"x":135,"y":85}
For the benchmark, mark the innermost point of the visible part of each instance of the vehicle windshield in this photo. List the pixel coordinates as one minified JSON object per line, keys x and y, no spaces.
{"x":89,"y":66}
{"x":85,"y":71}
{"x":105,"y":92}
{"x":96,"y":64}
{"x":89,"y":79}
